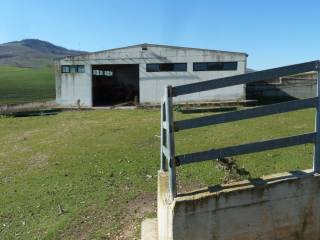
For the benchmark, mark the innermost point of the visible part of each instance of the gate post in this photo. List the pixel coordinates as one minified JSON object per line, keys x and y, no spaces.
{"x":316,"y":156}
{"x":168,"y":126}
{"x":163,"y":165}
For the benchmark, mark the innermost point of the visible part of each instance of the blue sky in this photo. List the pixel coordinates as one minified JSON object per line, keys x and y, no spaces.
{"x":273,"y":33}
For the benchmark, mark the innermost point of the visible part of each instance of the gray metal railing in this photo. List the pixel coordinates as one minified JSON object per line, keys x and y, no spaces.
{"x":169,"y":161}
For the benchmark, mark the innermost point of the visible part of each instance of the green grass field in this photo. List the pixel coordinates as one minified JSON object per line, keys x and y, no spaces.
{"x":22,"y":85}
{"x":92,"y":174}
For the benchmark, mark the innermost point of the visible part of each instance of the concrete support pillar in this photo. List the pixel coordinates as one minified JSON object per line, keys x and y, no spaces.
{"x":165,"y":210}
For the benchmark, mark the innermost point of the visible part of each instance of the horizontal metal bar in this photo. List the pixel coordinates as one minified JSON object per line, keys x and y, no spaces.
{"x":245,"y":114}
{"x":245,"y":78}
{"x":246,"y":148}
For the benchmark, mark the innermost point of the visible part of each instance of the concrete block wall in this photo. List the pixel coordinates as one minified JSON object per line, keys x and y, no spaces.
{"x":283,"y":206}
{"x":298,"y":89}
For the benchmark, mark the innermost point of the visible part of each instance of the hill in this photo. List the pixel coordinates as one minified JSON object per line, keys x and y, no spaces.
{"x":250,"y":70}
{"x":31,"y":53}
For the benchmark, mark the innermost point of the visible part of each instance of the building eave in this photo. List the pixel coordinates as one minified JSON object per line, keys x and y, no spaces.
{"x":152,"y":45}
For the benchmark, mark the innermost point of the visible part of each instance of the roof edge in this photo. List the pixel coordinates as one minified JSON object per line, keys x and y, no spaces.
{"x":155,"y":45}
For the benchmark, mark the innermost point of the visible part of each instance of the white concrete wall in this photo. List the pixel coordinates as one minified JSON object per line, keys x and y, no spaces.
{"x":71,"y":87}
{"x":152,"y":84}
{"x":283,"y":206}
{"x":78,"y":86}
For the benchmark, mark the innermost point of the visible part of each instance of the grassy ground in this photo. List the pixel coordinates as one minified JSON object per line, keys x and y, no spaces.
{"x":92,"y":175}
{"x":21,"y":85}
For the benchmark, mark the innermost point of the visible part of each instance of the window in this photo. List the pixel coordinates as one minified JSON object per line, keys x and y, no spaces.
{"x":65,"y":69}
{"x":81,"y":69}
{"x":72,"y":69}
{"x":106,"y":73}
{"x":166,"y":67}
{"x":153,"y":67}
{"x":97,"y":72}
{"x":215,"y":66}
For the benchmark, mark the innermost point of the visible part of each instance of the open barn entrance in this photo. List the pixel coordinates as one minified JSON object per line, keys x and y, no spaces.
{"x":115,"y":84}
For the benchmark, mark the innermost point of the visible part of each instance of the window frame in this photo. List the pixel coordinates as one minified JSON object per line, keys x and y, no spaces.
{"x":73,"y":69}
{"x":215,"y":66}
{"x":82,"y":67}
{"x":165,"y":67}
{"x":63,"y":67}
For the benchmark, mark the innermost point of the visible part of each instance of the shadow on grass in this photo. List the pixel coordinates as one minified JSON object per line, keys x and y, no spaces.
{"x":33,"y":113}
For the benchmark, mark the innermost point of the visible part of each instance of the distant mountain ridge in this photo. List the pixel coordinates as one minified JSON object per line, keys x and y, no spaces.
{"x":250,"y":70}
{"x":32,"y":53}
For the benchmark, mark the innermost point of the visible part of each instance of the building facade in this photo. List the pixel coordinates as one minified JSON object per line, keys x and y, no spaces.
{"x":141,"y":72}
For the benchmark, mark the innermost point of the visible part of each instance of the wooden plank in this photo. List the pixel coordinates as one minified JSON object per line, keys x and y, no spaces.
{"x":246,"y":148}
{"x":246,"y":114}
{"x":245,"y":78}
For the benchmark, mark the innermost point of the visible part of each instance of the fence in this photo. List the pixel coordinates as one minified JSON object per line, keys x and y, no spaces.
{"x":169,"y":160}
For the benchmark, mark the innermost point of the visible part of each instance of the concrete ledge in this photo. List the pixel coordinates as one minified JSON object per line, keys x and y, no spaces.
{"x":259,"y":183}
{"x":281,"y":206}
{"x":149,"y":229}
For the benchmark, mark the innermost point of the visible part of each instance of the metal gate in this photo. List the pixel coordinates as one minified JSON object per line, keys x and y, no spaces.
{"x":169,"y":160}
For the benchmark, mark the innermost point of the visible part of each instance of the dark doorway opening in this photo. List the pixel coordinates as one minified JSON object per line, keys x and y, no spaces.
{"x":114,"y":84}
